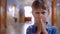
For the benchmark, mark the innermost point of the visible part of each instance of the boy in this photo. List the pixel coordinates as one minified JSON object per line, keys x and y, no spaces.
{"x":40,"y":12}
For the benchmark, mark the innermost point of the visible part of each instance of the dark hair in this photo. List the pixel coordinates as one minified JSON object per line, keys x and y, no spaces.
{"x":39,"y":4}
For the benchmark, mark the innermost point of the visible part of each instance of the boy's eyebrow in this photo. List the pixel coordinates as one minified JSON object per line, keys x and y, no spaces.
{"x":44,"y":10}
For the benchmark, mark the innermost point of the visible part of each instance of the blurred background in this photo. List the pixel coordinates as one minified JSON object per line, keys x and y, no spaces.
{"x":16,"y":15}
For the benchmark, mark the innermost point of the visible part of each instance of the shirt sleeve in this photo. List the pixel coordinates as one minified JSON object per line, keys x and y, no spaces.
{"x":28,"y":31}
{"x":54,"y":31}
{"x":31,"y":30}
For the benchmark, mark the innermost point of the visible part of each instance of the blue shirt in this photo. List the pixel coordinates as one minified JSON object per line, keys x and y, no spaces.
{"x":50,"y":29}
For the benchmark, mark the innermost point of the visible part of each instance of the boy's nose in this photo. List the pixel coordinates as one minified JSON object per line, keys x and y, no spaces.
{"x":40,"y":16}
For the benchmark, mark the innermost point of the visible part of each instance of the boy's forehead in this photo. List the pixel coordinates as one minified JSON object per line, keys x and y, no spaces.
{"x":40,"y":9}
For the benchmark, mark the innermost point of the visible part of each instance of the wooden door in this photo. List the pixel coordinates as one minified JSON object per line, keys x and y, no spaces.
{"x":3,"y":17}
{"x":53,"y":12}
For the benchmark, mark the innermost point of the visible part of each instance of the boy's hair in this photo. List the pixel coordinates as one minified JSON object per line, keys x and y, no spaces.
{"x":39,"y":4}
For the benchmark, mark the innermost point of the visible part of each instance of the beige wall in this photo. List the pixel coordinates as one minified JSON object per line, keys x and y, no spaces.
{"x":58,"y":20}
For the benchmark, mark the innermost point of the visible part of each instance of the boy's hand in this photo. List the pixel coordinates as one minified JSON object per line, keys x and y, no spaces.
{"x":38,"y":26}
{"x":43,"y":27}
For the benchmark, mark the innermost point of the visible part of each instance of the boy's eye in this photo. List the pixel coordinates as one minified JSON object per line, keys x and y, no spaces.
{"x":43,"y":12}
{"x":37,"y":13}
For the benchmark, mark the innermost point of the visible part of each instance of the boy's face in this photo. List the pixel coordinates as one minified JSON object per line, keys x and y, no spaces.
{"x":40,"y":14}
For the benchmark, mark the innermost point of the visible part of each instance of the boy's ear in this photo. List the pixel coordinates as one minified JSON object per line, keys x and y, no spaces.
{"x":32,"y":13}
{"x":49,"y":13}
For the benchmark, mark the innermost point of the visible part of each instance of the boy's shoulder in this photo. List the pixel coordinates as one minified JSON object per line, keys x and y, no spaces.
{"x":54,"y":30}
{"x":31,"y":29}
{"x":48,"y":26}
{"x":51,"y":29}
